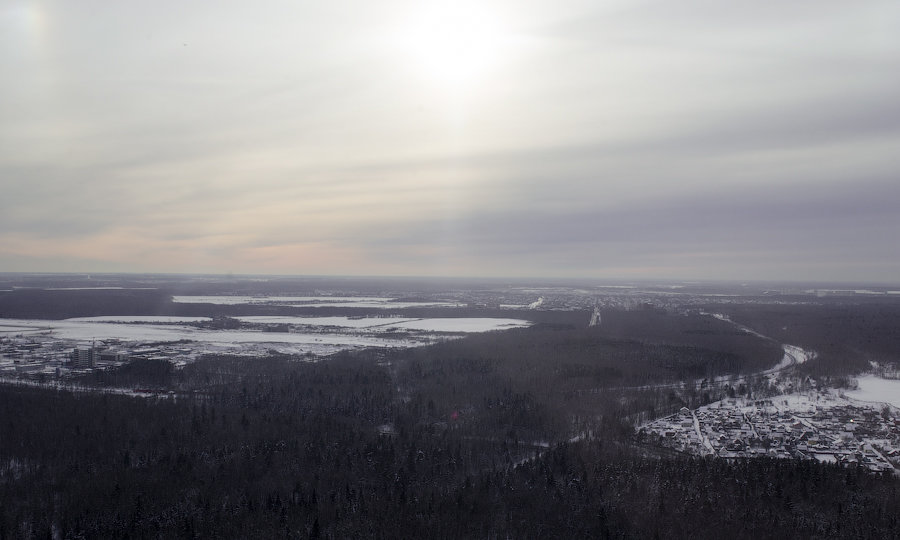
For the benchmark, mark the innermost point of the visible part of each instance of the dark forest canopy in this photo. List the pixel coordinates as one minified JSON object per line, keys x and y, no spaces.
{"x":449,"y":441}
{"x":279,"y":448}
{"x":525,"y":433}
{"x":846,"y":337}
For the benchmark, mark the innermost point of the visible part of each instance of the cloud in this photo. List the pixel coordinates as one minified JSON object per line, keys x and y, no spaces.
{"x":724,"y":228}
{"x":618,"y":137}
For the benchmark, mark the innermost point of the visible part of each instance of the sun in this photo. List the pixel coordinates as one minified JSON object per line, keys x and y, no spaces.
{"x":455,"y":45}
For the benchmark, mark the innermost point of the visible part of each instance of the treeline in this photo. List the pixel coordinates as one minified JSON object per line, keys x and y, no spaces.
{"x":63,"y":304}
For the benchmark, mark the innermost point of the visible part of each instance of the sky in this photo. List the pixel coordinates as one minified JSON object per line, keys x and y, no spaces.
{"x":639,"y":139}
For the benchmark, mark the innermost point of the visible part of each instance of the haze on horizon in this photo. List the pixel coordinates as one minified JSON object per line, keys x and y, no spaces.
{"x":750,"y":140}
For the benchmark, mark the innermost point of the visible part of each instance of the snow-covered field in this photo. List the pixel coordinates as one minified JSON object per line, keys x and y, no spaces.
{"x":316,"y":335}
{"x":227,"y":300}
{"x":75,"y":330}
{"x":344,"y":322}
{"x":139,"y":319}
{"x":15,"y":329}
{"x":377,"y":302}
{"x":847,"y":291}
{"x":378,"y":305}
{"x":455,"y":325}
{"x":872,"y":388}
{"x":473,"y":324}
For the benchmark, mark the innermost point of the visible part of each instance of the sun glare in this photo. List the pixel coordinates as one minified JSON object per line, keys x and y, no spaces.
{"x":455,"y":45}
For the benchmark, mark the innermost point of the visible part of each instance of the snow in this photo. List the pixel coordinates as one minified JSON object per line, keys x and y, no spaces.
{"x":379,"y":305}
{"x":800,"y":356}
{"x":345,"y":322}
{"x":474,"y":324}
{"x":727,"y":319}
{"x":139,"y":319}
{"x":847,"y":292}
{"x":378,"y":302}
{"x":86,"y":331}
{"x":325,"y":335}
{"x":463,"y":325}
{"x":701,"y":436}
{"x":241,"y":336}
{"x":115,"y":327}
{"x":792,"y":355}
{"x":237,"y":300}
{"x":872,"y":388}
{"x":16,"y":329}
{"x":74,"y":330}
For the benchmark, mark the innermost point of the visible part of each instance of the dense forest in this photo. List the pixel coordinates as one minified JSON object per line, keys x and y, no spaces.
{"x":62,"y":304}
{"x":522,"y":433}
{"x":847,"y":337}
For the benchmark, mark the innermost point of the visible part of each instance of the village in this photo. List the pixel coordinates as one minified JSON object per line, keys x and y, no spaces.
{"x":820,"y":424}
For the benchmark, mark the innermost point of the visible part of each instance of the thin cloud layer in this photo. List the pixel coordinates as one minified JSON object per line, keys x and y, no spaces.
{"x":737,"y":141}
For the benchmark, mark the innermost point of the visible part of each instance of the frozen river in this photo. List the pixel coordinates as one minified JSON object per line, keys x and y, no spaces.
{"x":872,"y":388}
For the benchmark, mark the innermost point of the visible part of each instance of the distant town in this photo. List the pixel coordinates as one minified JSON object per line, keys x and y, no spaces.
{"x":31,"y":358}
